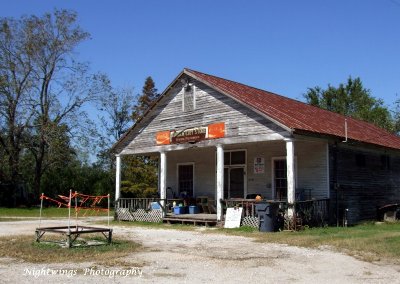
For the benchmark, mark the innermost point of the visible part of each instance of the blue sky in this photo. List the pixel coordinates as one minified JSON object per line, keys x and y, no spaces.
{"x":280,"y":46}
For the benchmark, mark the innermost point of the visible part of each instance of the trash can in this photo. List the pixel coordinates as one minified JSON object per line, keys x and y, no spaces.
{"x":267,"y":214}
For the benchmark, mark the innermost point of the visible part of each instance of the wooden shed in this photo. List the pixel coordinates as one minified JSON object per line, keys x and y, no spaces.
{"x":224,"y":140}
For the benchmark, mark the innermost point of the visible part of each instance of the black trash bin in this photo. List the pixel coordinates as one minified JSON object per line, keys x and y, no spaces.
{"x":267,"y":214}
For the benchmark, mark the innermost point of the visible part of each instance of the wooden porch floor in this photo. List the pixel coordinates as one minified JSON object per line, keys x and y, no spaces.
{"x":195,"y":219}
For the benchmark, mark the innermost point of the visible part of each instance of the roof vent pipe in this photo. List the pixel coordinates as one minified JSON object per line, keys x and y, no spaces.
{"x":345,"y":130}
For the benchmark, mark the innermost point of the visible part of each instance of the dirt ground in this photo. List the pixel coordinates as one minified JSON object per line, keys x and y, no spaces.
{"x":171,"y":256}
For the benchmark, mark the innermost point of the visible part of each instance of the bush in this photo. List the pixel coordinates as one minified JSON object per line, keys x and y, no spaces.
{"x":140,"y":190}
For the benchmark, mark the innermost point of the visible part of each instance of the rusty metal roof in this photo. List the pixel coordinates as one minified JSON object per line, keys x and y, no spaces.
{"x":298,"y":116}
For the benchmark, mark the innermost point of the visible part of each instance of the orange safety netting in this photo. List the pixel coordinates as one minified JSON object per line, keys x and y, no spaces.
{"x":81,"y":201}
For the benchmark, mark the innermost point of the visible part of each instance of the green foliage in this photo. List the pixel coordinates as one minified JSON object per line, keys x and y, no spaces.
{"x":138,"y":190}
{"x":396,"y":117}
{"x":139,"y":177}
{"x":43,"y":128}
{"x":13,"y":214}
{"x":146,"y":99}
{"x":86,"y":179}
{"x":352,"y":100}
{"x":42,"y":90}
{"x":140,"y":172}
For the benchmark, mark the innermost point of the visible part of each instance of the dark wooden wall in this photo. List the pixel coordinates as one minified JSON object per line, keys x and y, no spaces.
{"x":362,"y":180}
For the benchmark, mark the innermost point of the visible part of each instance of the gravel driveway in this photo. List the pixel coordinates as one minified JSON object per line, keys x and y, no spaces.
{"x":171,"y":256}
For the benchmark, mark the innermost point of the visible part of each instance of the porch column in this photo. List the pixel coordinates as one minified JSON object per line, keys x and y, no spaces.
{"x":163,"y":177}
{"x":220,"y":180}
{"x":291,"y":191}
{"x":118,"y":177}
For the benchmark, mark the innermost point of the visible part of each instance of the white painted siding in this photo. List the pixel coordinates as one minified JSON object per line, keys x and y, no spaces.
{"x":204,"y":169}
{"x":311,"y":167}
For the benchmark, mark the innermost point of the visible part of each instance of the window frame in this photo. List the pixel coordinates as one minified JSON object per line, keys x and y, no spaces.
{"x":273,"y":187}
{"x":194,"y":177}
{"x":184,"y":94}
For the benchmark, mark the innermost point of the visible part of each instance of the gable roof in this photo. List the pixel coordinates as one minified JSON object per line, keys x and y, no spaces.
{"x":298,"y":116}
{"x":293,"y":115}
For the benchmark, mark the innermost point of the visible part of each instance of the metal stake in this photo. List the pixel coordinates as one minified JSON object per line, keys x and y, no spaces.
{"x":41,"y":207}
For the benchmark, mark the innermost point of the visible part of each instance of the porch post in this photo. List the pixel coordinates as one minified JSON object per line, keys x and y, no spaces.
{"x":220,"y":180}
{"x":291,"y":186}
{"x":163,"y":178}
{"x":118,"y":177}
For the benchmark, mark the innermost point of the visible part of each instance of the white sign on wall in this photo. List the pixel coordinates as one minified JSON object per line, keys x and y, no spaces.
{"x":259,"y":165}
{"x":233,"y":217}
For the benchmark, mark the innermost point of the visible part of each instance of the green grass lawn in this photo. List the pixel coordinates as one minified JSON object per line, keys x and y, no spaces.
{"x":25,"y":248}
{"x":50,"y":212}
{"x":370,"y":241}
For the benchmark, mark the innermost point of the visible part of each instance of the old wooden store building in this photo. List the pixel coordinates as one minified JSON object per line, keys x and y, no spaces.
{"x":222,"y":140}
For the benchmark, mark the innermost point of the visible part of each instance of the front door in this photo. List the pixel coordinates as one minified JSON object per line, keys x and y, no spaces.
{"x":185,"y":179}
{"x":234,"y":182}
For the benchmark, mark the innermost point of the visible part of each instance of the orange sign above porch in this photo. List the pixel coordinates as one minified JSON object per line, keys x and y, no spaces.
{"x":163,"y":137}
{"x":216,"y":130}
{"x":191,"y":135}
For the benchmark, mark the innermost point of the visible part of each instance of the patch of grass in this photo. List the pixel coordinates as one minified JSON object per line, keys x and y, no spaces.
{"x":11,"y":219}
{"x":370,"y":242}
{"x":27,"y":249}
{"x":50,"y":212}
{"x":241,"y":231}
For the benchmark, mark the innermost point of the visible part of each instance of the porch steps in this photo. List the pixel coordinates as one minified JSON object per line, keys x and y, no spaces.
{"x":194,"y":222}
{"x":194,"y":219}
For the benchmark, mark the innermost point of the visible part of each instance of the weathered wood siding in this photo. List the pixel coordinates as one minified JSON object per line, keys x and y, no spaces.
{"x":362,"y":188}
{"x":241,"y":123}
{"x":311,"y":167}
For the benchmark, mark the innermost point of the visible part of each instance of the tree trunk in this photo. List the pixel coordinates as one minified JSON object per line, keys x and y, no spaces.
{"x":13,"y":163}
{"x":38,"y":170}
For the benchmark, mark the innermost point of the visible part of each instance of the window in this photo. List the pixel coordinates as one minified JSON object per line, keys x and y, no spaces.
{"x":235,"y":158}
{"x":280,"y":179}
{"x":189,"y":98}
{"x":234,"y":174}
{"x":185,"y":179}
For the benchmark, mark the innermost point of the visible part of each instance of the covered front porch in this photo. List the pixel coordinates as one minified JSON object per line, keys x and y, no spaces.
{"x":311,"y":213}
{"x":293,"y":173}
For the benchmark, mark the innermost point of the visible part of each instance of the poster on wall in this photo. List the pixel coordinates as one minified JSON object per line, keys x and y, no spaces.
{"x":259,"y":165}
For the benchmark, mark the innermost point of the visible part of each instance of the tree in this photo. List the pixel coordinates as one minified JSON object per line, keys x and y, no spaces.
{"x":42,"y":86}
{"x":115,"y":106}
{"x":139,"y":177}
{"x":396,"y":117}
{"x":140,"y":172}
{"x":146,"y":99}
{"x":15,"y":91}
{"x":351,"y":100}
